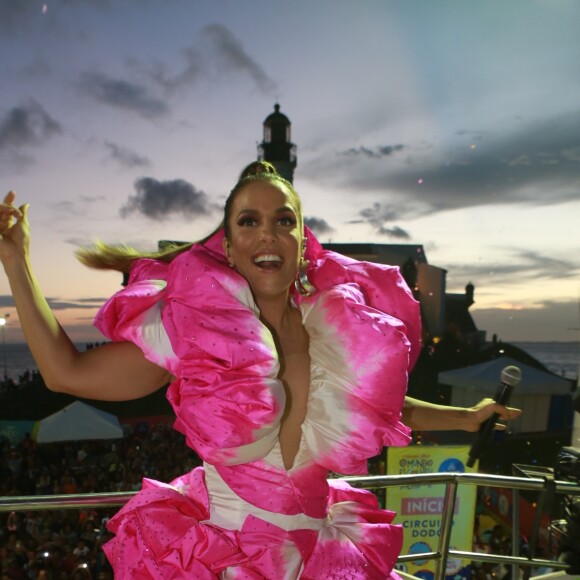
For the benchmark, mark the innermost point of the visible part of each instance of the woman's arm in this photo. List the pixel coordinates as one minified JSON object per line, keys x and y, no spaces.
{"x":116,"y":371}
{"x":422,"y":416}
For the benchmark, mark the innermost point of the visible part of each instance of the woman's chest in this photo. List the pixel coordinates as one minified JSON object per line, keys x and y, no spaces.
{"x":295,"y":375}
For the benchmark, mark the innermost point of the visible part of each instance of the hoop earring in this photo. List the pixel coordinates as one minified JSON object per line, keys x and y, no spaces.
{"x":302,"y":283}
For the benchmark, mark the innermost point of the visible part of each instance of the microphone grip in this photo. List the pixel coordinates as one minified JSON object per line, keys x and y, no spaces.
{"x":482,"y":436}
{"x":502,"y":397}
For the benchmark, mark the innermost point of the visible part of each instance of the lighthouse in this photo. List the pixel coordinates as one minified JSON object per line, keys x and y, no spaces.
{"x":276,"y":146}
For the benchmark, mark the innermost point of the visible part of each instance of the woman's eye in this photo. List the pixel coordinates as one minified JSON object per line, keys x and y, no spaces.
{"x":247,"y":222}
{"x":287,"y":221}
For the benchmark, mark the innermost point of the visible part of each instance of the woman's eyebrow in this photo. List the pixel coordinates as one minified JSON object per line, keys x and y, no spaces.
{"x":247,"y":210}
{"x":283,"y":209}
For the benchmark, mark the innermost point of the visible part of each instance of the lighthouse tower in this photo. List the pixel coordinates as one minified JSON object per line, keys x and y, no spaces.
{"x":276,"y":146}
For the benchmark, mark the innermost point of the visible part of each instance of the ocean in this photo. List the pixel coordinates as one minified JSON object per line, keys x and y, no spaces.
{"x":562,"y":358}
{"x":15,"y":359}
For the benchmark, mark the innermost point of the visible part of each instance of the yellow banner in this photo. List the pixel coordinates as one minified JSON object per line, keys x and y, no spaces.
{"x":419,"y":508}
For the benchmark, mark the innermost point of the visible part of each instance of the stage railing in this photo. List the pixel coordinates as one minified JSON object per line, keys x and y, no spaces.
{"x":540,"y":485}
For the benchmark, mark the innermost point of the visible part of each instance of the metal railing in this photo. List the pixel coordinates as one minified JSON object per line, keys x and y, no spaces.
{"x":374,"y":483}
{"x":541,"y":485}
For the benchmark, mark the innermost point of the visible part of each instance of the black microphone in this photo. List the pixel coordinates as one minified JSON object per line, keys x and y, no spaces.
{"x":510,"y":377}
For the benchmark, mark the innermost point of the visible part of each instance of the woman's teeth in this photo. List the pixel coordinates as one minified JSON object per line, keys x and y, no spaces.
{"x":268,"y":261}
{"x":268,"y":258}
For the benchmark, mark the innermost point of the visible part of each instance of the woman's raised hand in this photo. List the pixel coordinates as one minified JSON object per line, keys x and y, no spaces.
{"x":14,"y":231}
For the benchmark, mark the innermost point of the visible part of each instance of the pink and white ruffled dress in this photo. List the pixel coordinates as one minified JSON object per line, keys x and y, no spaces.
{"x":244,"y":515}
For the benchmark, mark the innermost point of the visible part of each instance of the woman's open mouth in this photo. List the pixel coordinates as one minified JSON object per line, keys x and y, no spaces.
{"x":268,"y":261}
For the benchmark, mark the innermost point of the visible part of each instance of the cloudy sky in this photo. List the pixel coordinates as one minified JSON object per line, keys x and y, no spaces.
{"x":451,"y":124}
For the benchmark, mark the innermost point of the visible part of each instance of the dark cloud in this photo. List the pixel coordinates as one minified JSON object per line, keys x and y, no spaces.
{"x":231,"y":54}
{"x":522,"y":266}
{"x":375,"y":152}
{"x":161,"y":199}
{"x":83,"y":303}
{"x":6,"y":301}
{"x":394,"y":232}
{"x":318,"y":225}
{"x":378,"y":214}
{"x":98,"y":301}
{"x":537,"y":163}
{"x":122,"y":94}
{"x":378,"y":217}
{"x":193,"y":70}
{"x":27,"y":125}
{"x":542,"y":155}
{"x":125,"y":157}
{"x":217,"y":53}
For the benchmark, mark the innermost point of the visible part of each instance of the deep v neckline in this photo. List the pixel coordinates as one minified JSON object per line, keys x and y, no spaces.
{"x":296,"y":380}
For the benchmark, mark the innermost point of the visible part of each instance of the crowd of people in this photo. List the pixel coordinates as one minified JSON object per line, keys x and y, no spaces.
{"x":65,"y":543}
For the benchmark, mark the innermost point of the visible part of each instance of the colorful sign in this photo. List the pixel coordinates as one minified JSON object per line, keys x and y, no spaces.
{"x":420,"y":507}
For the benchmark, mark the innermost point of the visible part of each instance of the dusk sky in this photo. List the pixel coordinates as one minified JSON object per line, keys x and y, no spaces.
{"x":446,"y":123}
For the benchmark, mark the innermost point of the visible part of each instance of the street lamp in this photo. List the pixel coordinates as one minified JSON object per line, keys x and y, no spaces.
{"x":3,"y":321}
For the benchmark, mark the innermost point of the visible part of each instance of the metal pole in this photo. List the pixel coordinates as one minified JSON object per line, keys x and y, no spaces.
{"x":446,"y":526}
{"x":5,"y":362}
{"x":515,"y":531}
{"x":4,"y":351}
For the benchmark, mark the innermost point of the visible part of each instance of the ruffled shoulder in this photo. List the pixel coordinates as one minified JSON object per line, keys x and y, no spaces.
{"x":364,"y":328}
{"x":382,"y":286}
{"x":227,"y":398}
{"x":134,"y":313}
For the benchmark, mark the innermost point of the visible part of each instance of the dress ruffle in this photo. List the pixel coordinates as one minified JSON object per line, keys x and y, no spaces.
{"x":163,"y":533}
{"x":354,"y":405}
{"x":227,"y":398}
{"x":160,"y":534}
